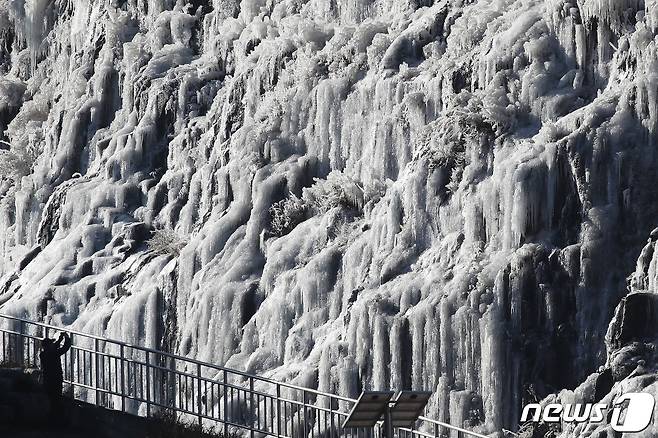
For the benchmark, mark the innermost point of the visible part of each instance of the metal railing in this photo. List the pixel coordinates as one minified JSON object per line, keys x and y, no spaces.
{"x":147,"y":382}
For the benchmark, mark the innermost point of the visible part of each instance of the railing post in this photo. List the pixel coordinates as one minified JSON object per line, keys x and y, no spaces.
{"x":96,"y":379}
{"x":45,"y":335}
{"x":148,"y":385}
{"x":123,"y":382}
{"x":304,"y":414}
{"x":22,"y":351}
{"x":71,"y":367}
{"x":278,"y":409}
{"x":331,"y":418}
{"x":198,"y":395}
{"x":388,"y":428}
{"x":225,"y":404}
{"x":251,"y":403}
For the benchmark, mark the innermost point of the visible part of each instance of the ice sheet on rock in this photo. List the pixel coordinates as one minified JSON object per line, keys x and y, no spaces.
{"x":467,"y":186}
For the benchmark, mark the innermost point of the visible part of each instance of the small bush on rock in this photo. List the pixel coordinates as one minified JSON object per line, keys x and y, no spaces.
{"x":166,"y":241}
{"x":287,"y":214}
{"x":337,"y":191}
{"x":16,"y":163}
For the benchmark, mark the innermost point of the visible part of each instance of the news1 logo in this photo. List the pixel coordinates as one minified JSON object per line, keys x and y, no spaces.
{"x":637,"y":416}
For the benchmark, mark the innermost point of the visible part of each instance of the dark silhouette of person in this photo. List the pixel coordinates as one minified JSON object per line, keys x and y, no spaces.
{"x":51,"y":369}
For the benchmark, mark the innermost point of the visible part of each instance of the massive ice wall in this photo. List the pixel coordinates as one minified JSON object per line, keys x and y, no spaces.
{"x":446,"y":195}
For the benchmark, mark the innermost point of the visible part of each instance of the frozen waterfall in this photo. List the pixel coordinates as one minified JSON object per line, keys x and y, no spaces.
{"x":361,"y":194}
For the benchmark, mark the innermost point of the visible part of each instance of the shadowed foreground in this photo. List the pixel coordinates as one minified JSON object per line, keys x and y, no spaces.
{"x":24,"y":410}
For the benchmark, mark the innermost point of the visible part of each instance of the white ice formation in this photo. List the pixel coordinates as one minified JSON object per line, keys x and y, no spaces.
{"x":446,"y":195}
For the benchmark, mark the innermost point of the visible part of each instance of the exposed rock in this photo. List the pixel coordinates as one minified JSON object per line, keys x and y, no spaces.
{"x":636,"y":319}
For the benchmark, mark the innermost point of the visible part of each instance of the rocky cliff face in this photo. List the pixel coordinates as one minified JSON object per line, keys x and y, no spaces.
{"x":631,"y":367}
{"x":357,"y":194}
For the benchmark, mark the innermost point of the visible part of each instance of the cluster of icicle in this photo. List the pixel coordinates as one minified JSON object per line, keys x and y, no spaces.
{"x":463,"y":185}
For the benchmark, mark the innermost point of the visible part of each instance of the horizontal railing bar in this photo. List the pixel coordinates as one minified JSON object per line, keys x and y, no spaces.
{"x":11,"y":332}
{"x":82,"y":385}
{"x":152,"y":402}
{"x":418,"y":432}
{"x":177,"y":409}
{"x":197,"y":414}
{"x":450,"y":426}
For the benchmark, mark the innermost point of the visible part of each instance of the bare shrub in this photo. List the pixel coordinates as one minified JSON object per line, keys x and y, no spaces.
{"x":337,"y":191}
{"x":166,"y":241}
{"x":447,"y":143}
{"x":16,"y":163}
{"x":286,"y":215}
{"x":24,"y":133}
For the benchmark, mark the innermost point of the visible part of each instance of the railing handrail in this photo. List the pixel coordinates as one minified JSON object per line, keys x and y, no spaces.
{"x":218,"y":368}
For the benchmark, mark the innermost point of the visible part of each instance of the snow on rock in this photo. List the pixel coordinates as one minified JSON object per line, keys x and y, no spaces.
{"x":445,"y":195}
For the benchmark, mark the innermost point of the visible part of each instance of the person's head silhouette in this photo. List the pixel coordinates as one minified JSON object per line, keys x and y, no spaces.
{"x":46,"y":343}
{"x":59,"y":345}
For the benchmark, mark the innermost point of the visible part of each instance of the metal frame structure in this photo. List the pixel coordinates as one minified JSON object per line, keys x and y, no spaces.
{"x":147,"y":382}
{"x":374,"y":407}
{"x":408,"y":407}
{"x":369,"y":409}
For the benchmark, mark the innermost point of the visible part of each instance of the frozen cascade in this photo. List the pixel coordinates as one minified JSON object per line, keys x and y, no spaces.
{"x":445,"y":195}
